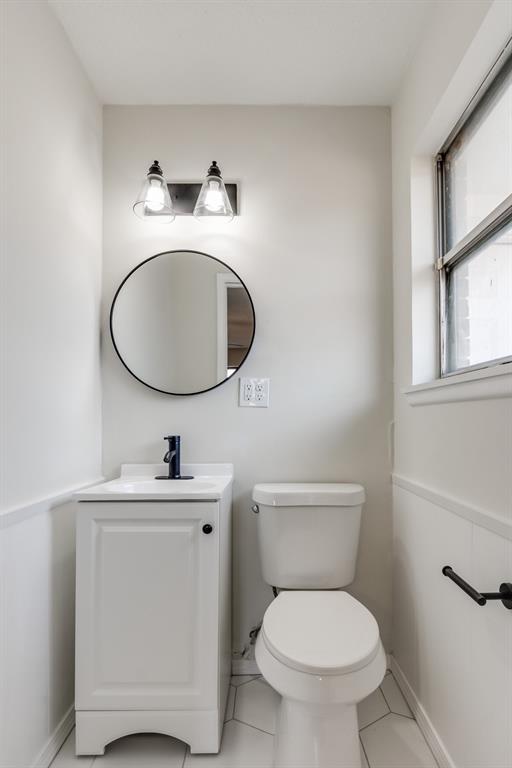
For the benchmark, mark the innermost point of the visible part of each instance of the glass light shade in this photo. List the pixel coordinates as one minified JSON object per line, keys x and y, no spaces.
{"x":213,"y":200}
{"x":154,"y":201}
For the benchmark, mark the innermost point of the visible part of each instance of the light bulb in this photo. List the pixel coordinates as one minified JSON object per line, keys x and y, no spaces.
{"x":155,"y":200}
{"x":214,"y":200}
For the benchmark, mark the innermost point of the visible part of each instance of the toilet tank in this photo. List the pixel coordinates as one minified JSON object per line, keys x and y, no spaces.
{"x":308,"y":533}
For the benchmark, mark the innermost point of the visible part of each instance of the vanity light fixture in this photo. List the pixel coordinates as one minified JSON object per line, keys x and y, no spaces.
{"x":213,"y":199}
{"x":154,"y":202}
{"x":161,"y":200}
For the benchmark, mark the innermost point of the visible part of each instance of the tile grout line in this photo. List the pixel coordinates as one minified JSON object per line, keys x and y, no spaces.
{"x":396,"y":714}
{"x":242,"y":722}
{"x":385,"y":700}
{"x":405,"y":717}
{"x":364,"y":751}
{"x":245,"y":682}
{"x":409,"y":717}
{"x":415,"y":721}
{"x":382,"y":717}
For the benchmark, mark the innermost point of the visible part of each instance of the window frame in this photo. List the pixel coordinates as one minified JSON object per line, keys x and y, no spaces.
{"x":446,"y":258}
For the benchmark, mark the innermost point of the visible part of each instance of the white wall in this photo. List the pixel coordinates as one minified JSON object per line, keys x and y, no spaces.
{"x":456,"y":656}
{"x":313,"y":246}
{"x":51,"y":197}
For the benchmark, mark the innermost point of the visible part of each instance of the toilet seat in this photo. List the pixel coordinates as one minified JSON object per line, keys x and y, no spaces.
{"x":320,"y":632}
{"x":320,"y":650}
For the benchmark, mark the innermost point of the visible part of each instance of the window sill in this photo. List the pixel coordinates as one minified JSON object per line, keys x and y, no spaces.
{"x":484,"y":384}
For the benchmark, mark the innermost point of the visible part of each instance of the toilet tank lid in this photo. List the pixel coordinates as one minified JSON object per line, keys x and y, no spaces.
{"x":308,"y":494}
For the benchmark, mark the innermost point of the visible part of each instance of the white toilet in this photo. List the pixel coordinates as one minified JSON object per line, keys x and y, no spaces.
{"x":318,"y":646}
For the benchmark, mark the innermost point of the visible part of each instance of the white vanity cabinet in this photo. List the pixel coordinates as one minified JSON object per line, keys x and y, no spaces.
{"x":153,"y":612}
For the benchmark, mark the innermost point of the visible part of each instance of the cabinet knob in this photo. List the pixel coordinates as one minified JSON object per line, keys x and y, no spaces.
{"x":207,"y":528}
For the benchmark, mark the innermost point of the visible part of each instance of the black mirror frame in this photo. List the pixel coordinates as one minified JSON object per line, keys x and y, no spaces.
{"x":149,"y":386}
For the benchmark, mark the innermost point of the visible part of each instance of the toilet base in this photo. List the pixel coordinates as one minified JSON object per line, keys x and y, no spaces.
{"x":316,"y":736}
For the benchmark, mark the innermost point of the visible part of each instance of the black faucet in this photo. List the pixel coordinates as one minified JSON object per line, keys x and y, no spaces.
{"x":172,"y":457}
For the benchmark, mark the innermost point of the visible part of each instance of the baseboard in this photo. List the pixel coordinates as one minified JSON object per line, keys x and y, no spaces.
{"x":425,"y":725}
{"x":56,"y":740}
{"x":244,"y":667}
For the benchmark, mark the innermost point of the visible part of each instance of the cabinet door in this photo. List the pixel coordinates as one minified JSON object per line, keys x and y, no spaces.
{"x":147,"y":605}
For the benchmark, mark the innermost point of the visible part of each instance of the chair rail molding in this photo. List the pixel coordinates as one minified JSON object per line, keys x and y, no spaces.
{"x":14,"y":515}
{"x":492,"y":522}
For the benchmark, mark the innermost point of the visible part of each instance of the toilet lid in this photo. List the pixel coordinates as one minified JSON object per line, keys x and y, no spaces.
{"x":322,"y":633}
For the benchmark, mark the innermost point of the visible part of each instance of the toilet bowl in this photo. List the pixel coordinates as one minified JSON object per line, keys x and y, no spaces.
{"x":318,"y":646}
{"x":322,"y":652}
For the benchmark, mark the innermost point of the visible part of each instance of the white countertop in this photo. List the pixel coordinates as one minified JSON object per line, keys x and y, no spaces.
{"x":137,"y":483}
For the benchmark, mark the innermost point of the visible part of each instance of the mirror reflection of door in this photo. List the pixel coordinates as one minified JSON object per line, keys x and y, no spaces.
{"x":234,"y":324}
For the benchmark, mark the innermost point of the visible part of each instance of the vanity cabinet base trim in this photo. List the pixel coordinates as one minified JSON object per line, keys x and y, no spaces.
{"x":201,"y":730}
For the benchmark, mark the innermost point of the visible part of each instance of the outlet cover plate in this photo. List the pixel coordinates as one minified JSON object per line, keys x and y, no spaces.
{"x":254,"y":393}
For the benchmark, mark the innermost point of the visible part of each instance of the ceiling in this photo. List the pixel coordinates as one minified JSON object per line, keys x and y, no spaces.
{"x":244,"y":51}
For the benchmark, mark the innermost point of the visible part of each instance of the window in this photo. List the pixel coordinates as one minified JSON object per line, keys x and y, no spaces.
{"x":474,"y":191}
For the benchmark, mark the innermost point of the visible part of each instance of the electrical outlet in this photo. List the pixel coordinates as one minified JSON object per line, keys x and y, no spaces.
{"x":254,"y":393}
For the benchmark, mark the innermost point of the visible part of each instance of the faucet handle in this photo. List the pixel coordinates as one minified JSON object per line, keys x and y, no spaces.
{"x":174,"y":443}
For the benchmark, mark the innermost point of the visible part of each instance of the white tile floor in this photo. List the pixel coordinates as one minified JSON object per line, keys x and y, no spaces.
{"x":390,"y":737}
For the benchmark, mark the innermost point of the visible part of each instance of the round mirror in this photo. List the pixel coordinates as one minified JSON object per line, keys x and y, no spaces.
{"x":182,"y":322}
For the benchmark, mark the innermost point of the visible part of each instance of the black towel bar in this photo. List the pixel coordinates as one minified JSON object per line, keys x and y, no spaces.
{"x":505,"y":593}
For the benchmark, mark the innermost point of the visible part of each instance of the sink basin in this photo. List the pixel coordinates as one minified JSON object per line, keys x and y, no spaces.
{"x":137,"y":483}
{"x":141,"y":485}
